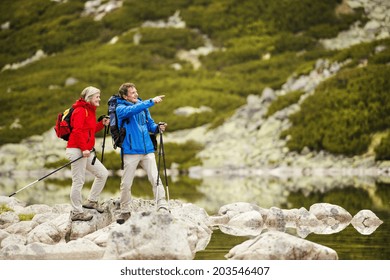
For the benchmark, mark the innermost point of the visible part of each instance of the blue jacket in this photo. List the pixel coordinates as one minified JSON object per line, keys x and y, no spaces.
{"x":136,"y":119}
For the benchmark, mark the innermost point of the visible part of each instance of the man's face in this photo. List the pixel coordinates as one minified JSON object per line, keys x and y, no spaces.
{"x":132,"y":95}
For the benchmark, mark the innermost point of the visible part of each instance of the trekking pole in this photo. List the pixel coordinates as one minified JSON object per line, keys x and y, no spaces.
{"x":104,"y":136}
{"x":165,"y":167}
{"x":158,"y":173}
{"x":161,"y":153}
{"x":104,"y":142}
{"x":40,"y":179}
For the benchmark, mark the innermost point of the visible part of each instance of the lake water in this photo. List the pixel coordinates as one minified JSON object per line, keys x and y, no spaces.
{"x":351,"y":193}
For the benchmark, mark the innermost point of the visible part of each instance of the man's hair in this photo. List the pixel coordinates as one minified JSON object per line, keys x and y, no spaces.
{"x":124,"y":87}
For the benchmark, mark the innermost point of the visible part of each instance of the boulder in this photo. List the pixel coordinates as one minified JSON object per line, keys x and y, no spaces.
{"x":155,"y":235}
{"x":198,"y":223}
{"x":78,"y":229}
{"x":44,"y":233}
{"x":275,"y":245}
{"x":150,"y":235}
{"x":12,"y":239}
{"x":12,"y":202}
{"x":81,"y":249}
{"x":8,"y":218}
{"x":22,"y":227}
{"x":100,"y":237}
{"x":3,"y":235}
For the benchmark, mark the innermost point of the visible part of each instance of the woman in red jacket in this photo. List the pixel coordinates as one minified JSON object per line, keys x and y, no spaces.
{"x":81,"y":143}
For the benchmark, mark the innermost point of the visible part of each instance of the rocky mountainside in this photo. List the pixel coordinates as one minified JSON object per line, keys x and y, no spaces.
{"x":251,"y":140}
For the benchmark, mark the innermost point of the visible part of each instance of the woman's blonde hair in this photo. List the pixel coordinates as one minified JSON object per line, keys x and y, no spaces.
{"x":88,"y":92}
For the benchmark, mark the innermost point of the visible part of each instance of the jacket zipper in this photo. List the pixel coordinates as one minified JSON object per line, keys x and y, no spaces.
{"x":140,"y":120}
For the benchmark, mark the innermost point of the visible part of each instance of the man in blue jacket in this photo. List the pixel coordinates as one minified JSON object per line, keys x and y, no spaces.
{"x":137,"y":147}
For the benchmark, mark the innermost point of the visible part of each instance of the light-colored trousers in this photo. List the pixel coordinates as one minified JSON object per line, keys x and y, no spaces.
{"x":79,"y":168}
{"x":148,"y":163}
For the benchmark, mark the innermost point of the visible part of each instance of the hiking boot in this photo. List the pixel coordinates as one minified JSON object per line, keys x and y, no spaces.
{"x":93,"y":205}
{"x":81,"y":216}
{"x":123,"y":217}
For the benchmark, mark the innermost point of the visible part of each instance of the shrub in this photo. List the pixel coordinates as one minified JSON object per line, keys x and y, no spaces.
{"x":26,"y":217}
{"x":356,"y":53}
{"x":287,"y":42}
{"x":173,"y":40}
{"x":284,"y":101}
{"x":381,"y":57}
{"x":343,"y":112}
{"x":382,"y":151}
{"x":5,"y":208}
{"x":182,"y":154}
{"x":323,"y":31}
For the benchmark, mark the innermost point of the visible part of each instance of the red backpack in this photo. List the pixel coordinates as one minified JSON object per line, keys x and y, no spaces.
{"x":63,"y":126}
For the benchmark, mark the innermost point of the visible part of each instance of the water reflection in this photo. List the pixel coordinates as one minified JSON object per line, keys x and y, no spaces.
{"x":366,"y":222}
{"x":244,"y":219}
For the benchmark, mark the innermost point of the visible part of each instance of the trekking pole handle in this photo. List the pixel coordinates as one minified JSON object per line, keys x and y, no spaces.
{"x":159,"y":125}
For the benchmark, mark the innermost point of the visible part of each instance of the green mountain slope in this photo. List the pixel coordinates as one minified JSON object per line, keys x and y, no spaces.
{"x":260,"y":44}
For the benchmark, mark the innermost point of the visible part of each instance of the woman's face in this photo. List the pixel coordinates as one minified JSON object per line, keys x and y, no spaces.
{"x":95,"y":100}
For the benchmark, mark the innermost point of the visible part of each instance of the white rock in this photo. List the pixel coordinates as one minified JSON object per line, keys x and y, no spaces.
{"x":13,"y":239}
{"x":81,"y":249}
{"x":149,"y":235}
{"x":22,"y":227}
{"x":44,"y":233}
{"x":275,"y":245}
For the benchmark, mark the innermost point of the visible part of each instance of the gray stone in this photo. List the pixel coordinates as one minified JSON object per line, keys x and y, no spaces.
{"x":149,"y":235}
{"x":275,"y":245}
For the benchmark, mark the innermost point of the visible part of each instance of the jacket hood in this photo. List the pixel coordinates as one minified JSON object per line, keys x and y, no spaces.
{"x":120,"y":100}
{"x":82,"y":103}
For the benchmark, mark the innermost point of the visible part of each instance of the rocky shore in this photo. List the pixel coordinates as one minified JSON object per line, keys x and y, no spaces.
{"x":49,"y":234}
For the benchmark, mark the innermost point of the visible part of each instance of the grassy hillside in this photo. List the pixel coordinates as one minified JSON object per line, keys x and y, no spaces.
{"x":286,"y":30}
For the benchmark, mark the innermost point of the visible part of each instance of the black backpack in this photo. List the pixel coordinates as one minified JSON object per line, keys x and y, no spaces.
{"x":117,"y":134}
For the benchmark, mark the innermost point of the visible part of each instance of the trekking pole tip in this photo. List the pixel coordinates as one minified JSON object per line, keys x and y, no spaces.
{"x":12,"y":194}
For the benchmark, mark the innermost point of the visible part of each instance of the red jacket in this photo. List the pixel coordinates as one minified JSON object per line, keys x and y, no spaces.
{"x":84,"y":126}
